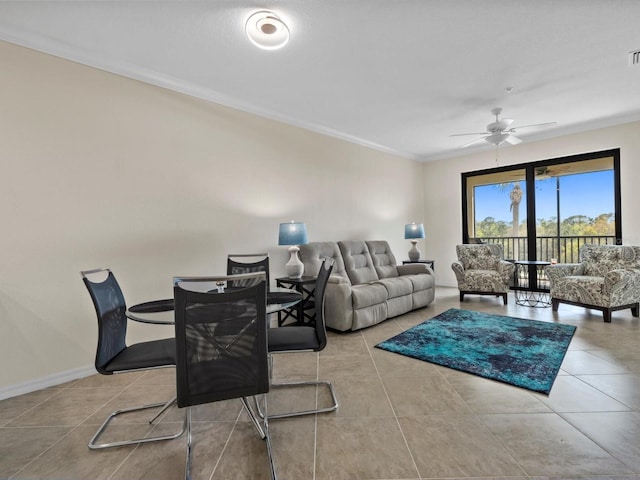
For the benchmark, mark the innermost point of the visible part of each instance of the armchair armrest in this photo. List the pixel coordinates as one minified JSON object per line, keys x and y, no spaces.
{"x":619,"y":279}
{"x":506,"y":270}
{"x":560,"y":270}
{"x":458,"y":269}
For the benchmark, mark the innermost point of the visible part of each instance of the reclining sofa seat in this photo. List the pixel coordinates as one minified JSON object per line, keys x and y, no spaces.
{"x":367,"y":286}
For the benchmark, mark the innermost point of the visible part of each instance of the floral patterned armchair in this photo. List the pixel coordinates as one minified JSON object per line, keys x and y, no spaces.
{"x":607,"y":279}
{"x":481,"y":270}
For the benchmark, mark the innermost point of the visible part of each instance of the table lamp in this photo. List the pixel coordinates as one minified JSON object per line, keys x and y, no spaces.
{"x":412,"y":231}
{"x":294,"y":234}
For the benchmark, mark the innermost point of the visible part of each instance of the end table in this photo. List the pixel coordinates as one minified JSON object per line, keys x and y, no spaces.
{"x":430,"y":263}
{"x":299,"y":312}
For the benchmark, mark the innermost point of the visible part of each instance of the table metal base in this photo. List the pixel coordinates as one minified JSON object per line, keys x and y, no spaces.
{"x":527,"y":298}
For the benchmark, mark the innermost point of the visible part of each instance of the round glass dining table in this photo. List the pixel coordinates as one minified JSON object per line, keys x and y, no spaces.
{"x":160,"y":312}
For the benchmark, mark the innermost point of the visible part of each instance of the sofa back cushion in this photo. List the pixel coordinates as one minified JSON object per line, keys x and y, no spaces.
{"x":480,"y":257}
{"x":357,"y":261}
{"x":383,"y":259}
{"x":312,"y":255}
{"x":598,"y":260}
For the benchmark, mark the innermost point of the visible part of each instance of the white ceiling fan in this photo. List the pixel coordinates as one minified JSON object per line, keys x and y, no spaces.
{"x":500,"y":131}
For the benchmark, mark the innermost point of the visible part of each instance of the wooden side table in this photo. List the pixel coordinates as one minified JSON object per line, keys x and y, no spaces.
{"x":430,"y":263}
{"x":299,"y":312}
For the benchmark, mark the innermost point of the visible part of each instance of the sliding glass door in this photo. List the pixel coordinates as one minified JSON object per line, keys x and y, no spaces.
{"x":545,"y":210}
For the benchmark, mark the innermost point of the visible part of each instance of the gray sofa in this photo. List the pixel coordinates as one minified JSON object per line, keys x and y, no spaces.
{"x":367,"y":286}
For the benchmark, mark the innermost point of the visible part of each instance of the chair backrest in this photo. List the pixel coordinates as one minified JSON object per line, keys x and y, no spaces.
{"x":221,"y":340}
{"x":321,"y":284}
{"x":237,"y":267}
{"x":480,"y":257}
{"x":111,"y":308}
{"x":600,"y":259}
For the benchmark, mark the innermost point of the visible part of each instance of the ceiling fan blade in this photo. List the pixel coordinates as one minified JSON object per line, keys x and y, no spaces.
{"x":473,"y":142}
{"x":512,"y":140}
{"x":466,"y":134}
{"x":536,"y":125}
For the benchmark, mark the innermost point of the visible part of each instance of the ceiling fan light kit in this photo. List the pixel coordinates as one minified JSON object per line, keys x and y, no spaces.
{"x":266,"y":30}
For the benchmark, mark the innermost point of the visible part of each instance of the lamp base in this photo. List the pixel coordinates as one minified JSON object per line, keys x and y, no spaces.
{"x":294,"y":267}
{"x":414,"y":253}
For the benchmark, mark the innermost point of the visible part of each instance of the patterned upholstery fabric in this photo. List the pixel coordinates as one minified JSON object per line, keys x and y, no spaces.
{"x":481,"y":269}
{"x":607,"y":278}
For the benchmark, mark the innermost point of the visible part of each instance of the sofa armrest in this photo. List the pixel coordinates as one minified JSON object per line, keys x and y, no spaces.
{"x":506,"y":270}
{"x":338,"y":279}
{"x":338,"y":305}
{"x":414,"y":269}
{"x":560,"y":270}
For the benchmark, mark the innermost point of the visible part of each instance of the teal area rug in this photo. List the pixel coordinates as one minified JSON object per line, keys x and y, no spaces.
{"x":525,"y":353}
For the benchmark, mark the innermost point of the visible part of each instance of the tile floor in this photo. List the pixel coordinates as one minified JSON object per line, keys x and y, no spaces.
{"x":399,"y":418}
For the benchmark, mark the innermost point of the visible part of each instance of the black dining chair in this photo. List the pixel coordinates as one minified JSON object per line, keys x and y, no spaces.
{"x":305,"y":338}
{"x":221,"y":345}
{"x":239,"y":263}
{"x":114,"y":356}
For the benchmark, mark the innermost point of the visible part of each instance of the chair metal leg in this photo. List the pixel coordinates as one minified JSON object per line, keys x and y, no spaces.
{"x":252,"y":416}
{"x":263,"y":429}
{"x":97,"y":446}
{"x":317,"y":383}
{"x":268,"y":440}
{"x":187,"y":466}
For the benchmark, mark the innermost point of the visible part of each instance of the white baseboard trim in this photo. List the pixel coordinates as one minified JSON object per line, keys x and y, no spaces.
{"x":45,"y":382}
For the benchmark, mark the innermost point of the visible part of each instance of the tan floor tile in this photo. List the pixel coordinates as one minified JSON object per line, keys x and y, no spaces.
{"x":486,"y":396}
{"x":245,"y":456}
{"x":570,"y":394}
{"x":347,"y":367}
{"x":129,"y":397}
{"x":166,"y":460}
{"x":618,"y":433}
{"x":627,"y":359}
{"x":624,"y":388}
{"x":12,"y":408}
{"x":71,"y":408}
{"x":585,"y":363}
{"x":371,"y":448}
{"x":19,"y":446}
{"x":358,"y":398}
{"x":94,"y":464}
{"x":414,"y":397}
{"x":545,"y":444}
{"x":449,"y":446}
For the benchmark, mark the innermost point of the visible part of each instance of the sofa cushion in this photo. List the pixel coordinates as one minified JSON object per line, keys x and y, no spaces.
{"x":357,"y":261}
{"x":397,"y":286}
{"x":383,"y":259}
{"x":367,"y":295}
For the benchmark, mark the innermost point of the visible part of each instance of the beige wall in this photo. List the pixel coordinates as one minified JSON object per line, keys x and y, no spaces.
{"x":100,"y":170}
{"x":443,"y":197}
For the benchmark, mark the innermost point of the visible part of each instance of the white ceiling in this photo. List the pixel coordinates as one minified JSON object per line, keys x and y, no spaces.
{"x":400,"y":76}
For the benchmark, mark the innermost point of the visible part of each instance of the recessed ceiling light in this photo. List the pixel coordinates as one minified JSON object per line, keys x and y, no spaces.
{"x":266,"y":30}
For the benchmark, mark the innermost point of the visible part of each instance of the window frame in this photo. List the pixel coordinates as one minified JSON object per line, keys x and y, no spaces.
{"x":530,"y":169}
